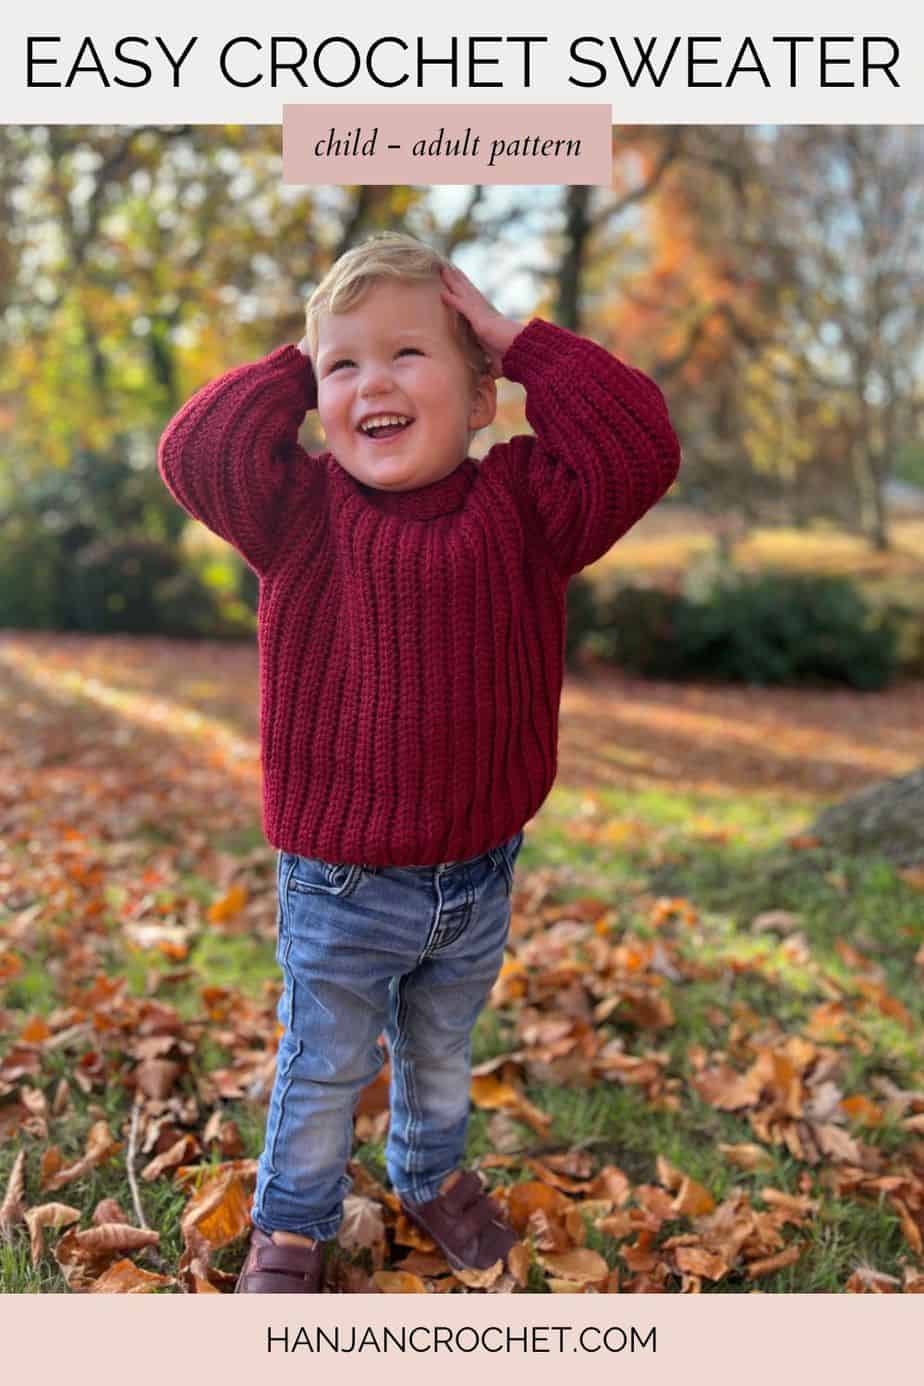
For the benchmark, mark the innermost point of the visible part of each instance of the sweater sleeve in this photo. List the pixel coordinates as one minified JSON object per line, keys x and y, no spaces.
{"x":231,"y":456}
{"x":604,"y":449}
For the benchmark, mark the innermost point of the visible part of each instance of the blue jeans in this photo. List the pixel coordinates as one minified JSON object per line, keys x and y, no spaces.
{"x":409,"y":951}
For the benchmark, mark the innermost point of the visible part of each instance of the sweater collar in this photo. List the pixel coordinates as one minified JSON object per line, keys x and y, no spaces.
{"x":425,"y":502}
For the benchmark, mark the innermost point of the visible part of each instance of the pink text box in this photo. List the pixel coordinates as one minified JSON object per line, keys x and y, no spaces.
{"x":447,"y":144}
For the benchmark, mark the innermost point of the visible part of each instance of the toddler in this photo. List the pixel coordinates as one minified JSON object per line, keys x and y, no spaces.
{"x":411,"y":633}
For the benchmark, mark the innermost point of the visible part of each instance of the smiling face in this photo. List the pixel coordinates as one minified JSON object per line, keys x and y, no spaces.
{"x":397,"y":400}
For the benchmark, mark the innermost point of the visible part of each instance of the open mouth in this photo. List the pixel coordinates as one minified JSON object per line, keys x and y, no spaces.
{"x":384,"y":426}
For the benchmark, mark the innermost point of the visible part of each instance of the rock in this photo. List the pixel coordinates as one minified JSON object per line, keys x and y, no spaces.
{"x":886,"y":818}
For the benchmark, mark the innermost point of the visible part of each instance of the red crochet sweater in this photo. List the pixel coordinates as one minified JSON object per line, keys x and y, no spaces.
{"x":412,"y":643}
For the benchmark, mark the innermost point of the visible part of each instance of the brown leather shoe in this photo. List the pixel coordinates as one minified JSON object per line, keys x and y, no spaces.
{"x":271,"y":1269}
{"x":466,"y":1224}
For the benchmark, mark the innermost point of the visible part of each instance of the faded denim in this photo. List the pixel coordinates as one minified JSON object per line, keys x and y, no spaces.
{"x":411,"y":952}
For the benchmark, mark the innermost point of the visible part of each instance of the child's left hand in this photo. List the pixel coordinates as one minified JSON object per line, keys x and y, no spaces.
{"x":493,"y":330}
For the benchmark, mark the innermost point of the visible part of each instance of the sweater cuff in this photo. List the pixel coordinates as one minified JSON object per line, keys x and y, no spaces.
{"x":540,"y":347}
{"x":299,"y":367}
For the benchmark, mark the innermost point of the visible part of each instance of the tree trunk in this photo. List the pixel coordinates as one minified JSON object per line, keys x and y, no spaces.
{"x":567,"y":312}
{"x":879,"y":536}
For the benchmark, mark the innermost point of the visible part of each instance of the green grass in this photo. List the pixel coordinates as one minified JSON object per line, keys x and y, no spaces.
{"x":240,"y":963}
{"x":618,"y":1127}
{"x":860,"y":901}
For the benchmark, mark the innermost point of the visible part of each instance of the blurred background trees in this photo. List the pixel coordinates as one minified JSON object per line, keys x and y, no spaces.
{"x":770,"y":279}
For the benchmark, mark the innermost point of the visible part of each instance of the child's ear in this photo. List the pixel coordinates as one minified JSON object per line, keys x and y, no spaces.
{"x":484,"y":403}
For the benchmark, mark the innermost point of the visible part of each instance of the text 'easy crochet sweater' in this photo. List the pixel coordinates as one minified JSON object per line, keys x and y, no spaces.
{"x":412,"y":643}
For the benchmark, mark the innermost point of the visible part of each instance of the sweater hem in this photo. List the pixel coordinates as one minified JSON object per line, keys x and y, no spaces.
{"x":463,"y":856}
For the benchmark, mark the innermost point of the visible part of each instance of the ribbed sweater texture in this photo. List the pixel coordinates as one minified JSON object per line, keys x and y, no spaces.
{"x":412,"y":643}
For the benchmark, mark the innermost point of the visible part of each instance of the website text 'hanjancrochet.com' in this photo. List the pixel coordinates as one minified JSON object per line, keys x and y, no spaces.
{"x":465,"y":1338}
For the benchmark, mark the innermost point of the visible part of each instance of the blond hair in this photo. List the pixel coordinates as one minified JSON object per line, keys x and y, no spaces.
{"x":386,"y":255}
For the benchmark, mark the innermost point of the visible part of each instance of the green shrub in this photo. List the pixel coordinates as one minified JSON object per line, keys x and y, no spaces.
{"x":185,"y":606}
{"x":914,"y":637}
{"x":769,"y":628}
{"x":637,"y":629}
{"x":247,"y":583}
{"x":140,"y":586}
{"x":790,"y":628}
{"x":114,"y":582}
{"x":581,"y":614}
{"x":69,"y":580}
{"x":32,"y":575}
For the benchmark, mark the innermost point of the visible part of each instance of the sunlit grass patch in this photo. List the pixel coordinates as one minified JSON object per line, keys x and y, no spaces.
{"x":237,"y":961}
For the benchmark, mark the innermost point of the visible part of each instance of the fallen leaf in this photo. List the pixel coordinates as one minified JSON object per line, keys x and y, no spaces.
{"x":183,"y":1149}
{"x":218,"y":1214}
{"x":156,"y":1077}
{"x":696,"y":1260}
{"x":668,"y":1174}
{"x":725,"y":1088}
{"x":747,"y":1156}
{"x":779,"y":921}
{"x":84,"y":1256}
{"x":407,"y":1233}
{"x":798,"y":1206}
{"x":52,"y":1160}
{"x":116,"y":1236}
{"x":866,"y":1280}
{"x":108,"y":1210}
{"x":35,"y":1031}
{"x":506,"y":1134}
{"x":828,"y":1022}
{"x":480,"y":1279}
{"x":612,"y":1182}
{"x":617,"y":1224}
{"x":910,"y":1229}
{"x":125,"y":1278}
{"x":913,"y":876}
{"x":490,"y":1092}
{"x":227,"y":906}
{"x":529,"y":1197}
{"x":398,"y":1283}
{"x":13,"y":1116}
{"x":692,"y":1199}
{"x":12,"y":1209}
{"x":47,"y":1215}
{"x":429,"y":1264}
{"x":582,"y":1266}
{"x":518,"y":1258}
{"x":245,"y":1170}
{"x":861,"y":1109}
{"x":772,"y":1263}
{"x":836,"y":1143}
{"x":101,"y":1144}
{"x":889,"y":1005}
{"x":362,"y":1224}
{"x":10,"y":966}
